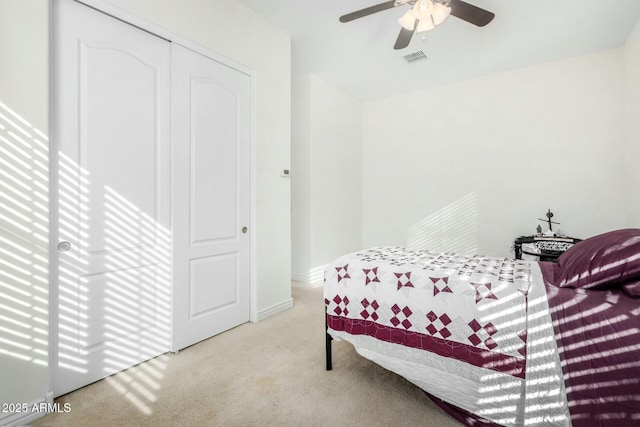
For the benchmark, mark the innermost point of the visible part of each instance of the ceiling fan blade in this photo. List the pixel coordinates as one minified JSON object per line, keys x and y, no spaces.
{"x":470,"y":13}
{"x":367,"y":11}
{"x":404,"y":38}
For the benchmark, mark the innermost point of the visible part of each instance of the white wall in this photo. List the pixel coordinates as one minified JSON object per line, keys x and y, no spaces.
{"x":472,"y":165}
{"x":301,"y":180}
{"x":24,"y":112}
{"x":225,"y":27}
{"x":632,"y":123}
{"x":327,"y":179}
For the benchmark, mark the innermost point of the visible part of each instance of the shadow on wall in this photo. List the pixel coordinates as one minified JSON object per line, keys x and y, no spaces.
{"x":24,"y":240}
{"x":453,"y":228}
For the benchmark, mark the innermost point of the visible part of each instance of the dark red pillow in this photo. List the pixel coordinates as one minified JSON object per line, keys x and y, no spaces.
{"x":605,"y":261}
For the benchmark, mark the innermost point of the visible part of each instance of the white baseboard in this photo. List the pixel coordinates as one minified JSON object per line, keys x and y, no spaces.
{"x":299,"y":278}
{"x":278,"y":308}
{"x":35,"y":409}
{"x":314,"y":276}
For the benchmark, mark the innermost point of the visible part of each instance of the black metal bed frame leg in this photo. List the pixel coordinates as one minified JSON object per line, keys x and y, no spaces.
{"x":328,"y":339}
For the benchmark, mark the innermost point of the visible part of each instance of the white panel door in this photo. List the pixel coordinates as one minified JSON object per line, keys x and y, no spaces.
{"x":211,"y":162}
{"x":112,"y":129}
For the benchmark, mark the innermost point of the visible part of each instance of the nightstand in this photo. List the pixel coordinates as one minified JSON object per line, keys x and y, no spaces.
{"x":542,"y":248}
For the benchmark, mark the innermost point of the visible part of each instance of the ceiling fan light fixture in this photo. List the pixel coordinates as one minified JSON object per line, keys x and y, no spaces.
{"x":408,"y":20}
{"x":429,"y":13}
{"x":425,"y":15}
{"x":423,"y":9}
{"x":440,"y":13}
{"x":425,"y":25}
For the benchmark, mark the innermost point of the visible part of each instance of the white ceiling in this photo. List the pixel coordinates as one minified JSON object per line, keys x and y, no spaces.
{"x":358,"y":57}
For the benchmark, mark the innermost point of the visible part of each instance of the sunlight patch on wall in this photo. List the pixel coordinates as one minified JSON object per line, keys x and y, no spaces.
{"x":24,"y":229}
{"x":316,"y":275}
{"x":453,"y":228}
{"x":24,"y":253}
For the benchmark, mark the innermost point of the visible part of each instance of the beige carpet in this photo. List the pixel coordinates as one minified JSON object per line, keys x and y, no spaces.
{"x":266,"y":374}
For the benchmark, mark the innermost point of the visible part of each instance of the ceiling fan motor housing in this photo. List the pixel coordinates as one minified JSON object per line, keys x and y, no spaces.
{"x":413,"y":2}
{"x":424,"y":15}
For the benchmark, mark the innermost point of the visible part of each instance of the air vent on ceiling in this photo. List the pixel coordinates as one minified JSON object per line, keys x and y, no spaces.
{"x":415,"y":57}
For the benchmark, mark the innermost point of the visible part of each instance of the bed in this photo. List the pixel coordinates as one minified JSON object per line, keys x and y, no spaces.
{"x":497,"y":341}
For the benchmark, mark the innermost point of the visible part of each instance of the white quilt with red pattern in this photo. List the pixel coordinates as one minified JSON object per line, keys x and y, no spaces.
{"x":472,"y":330}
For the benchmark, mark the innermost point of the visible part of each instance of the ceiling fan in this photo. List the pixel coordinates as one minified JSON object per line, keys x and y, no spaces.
{"x":424,"y":15}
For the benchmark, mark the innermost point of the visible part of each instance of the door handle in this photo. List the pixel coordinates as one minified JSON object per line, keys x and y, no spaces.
{"x":64,"y":246}
{"x":244,"y":229}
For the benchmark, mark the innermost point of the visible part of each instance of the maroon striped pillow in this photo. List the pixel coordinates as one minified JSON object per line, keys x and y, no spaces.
{"x":605,"y":261}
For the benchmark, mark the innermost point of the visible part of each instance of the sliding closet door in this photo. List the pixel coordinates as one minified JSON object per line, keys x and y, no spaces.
{"x":112,"y":129}
{"x":211,"y":145}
